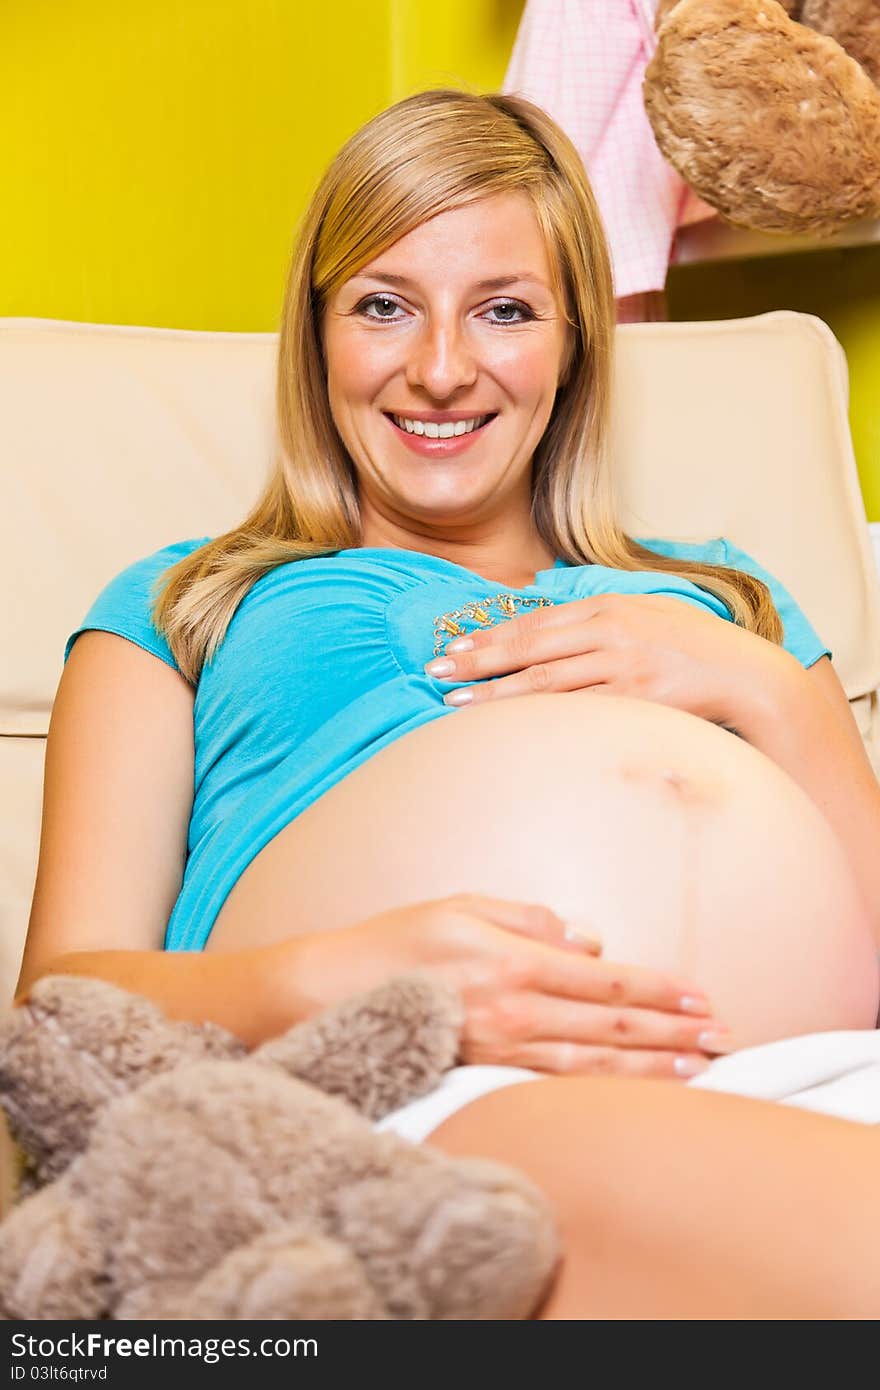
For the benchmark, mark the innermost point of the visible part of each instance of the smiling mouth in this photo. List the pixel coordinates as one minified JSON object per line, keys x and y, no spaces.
{"x":450,"y":429}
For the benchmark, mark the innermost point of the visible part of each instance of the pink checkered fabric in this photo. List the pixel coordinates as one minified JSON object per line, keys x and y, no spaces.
{"x":583,"y":61}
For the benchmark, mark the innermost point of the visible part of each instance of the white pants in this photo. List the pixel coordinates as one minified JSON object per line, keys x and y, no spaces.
{"x":458,"y":1088}
{"x":832,"y":1073}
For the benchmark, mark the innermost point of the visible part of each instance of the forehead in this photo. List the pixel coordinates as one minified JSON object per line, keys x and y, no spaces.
{"x":495,"y":236}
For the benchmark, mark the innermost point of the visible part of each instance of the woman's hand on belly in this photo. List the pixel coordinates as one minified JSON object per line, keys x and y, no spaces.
{"x":532,"y":996}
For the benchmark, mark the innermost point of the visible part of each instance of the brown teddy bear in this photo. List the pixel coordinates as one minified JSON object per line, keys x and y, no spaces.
{"x":172,"y":1174}
{"x":770,"y":110}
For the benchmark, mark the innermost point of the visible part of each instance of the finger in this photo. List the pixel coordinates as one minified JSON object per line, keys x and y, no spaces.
{"x":577,"y":1059}
{"x":605,"y":982}
{"x":517,"y":633}
{"x":534,"y":920}
{"x":524,"y":647}
{"x":583,"y":672}
{"x":542,"y":1018}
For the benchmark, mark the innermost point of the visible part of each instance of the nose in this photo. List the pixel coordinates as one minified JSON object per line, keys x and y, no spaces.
{"x":441,"y":361}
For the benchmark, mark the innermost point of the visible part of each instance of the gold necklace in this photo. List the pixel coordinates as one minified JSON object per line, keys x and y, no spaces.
{"x":479,"y":613}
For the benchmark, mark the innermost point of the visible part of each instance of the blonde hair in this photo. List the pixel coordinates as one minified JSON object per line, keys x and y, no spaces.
{"x":429,"y":153}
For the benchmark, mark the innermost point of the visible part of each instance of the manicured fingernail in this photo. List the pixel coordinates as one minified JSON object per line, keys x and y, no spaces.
{"x":694,"y":1004}
{"x":439,"y":668}
{"x":690,"y":1066}
{"x":579,"y":937}
{"x":458,"y":697}
{"x":461,"y":644}
{"x":715,"y":1041}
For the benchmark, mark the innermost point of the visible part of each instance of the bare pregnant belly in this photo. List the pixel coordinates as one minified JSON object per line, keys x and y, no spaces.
{"x":677,"y":844}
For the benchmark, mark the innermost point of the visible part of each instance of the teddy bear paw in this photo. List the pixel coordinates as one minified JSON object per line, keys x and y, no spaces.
{"x":292,"y":1273}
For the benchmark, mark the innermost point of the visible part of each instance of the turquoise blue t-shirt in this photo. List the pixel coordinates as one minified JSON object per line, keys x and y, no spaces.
{"x":322,"y":665}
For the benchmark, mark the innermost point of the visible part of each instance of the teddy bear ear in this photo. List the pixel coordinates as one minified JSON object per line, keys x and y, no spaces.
{"x":56,"y":1067}
{"x":71,"y":1047}
{"x":79,"y":1006}
{"x":376,"y":1050}
{"x":125,"y":1034}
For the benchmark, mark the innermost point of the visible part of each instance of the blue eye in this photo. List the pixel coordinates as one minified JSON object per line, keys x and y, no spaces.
{"x":517,"y":308}
{"x":378,"y":299}
{"x":385,"y":301}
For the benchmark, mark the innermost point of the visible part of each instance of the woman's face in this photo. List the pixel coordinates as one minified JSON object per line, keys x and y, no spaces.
{"x":457,"y":321}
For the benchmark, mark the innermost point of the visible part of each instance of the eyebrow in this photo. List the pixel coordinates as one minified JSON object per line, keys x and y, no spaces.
{"x":497,"y":282}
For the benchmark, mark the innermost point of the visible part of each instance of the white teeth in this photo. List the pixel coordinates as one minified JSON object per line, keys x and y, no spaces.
{"x":446,"y":430}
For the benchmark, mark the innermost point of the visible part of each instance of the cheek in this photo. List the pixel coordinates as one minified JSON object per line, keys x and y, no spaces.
{"x":352,"y":373}
{"x":528,"y":370}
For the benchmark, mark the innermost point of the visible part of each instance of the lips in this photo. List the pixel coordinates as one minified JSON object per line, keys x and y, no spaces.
{"x":485,"y":418}
{"x":438,"y":448}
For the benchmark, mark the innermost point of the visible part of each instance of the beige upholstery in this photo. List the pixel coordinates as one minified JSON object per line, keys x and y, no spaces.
{"x":116,"y":441}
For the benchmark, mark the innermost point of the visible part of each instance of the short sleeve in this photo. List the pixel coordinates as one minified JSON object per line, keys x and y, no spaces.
{"x":124,"y":606}
{"x":799,"y":636}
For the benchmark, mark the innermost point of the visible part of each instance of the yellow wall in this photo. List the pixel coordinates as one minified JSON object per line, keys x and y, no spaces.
{"x":452,"y":43}
{"x":157,"y":154}
{"x":162,"y":150}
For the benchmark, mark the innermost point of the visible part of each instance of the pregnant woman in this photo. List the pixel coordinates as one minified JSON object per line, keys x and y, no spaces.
{"x":429,"y":707}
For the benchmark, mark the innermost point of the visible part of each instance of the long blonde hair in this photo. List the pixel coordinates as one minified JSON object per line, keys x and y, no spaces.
{"x":429,"y":153}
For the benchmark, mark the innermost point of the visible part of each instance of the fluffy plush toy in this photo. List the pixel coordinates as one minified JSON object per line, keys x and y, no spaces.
{"x":175,"y":1175}
{"x":770,"y":110}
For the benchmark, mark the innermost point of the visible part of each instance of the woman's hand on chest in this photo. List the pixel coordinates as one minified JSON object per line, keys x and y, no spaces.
{"x":647,"y":647}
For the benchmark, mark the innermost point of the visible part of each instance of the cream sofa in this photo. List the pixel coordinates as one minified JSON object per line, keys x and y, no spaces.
{"x":117,"y":440}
